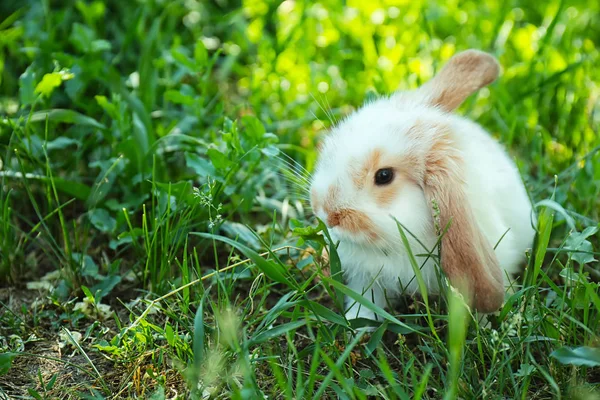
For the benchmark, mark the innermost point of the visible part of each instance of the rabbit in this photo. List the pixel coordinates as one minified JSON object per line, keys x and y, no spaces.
{"x":406,"y":158}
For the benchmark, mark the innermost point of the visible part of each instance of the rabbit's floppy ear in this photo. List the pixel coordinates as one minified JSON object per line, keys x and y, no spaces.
{"x":464,"y":74}
{"x":467,"y":255}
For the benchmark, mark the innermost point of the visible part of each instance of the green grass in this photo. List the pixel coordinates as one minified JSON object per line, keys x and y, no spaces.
{"x":154,"y":241}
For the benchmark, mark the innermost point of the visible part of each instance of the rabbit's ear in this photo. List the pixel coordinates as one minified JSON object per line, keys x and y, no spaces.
{"x":467,"y":256}
{"x":463,"y":75}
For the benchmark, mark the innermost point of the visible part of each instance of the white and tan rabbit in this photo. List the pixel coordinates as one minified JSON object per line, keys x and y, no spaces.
{"x":402,"y":157}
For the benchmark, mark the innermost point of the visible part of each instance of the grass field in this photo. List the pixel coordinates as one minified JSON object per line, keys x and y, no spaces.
{"x":154,"y":237}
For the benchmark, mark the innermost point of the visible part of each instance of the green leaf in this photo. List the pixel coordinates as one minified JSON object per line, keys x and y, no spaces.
{"x":202,"y":167}
{"x":242,"y":233}
{"x":81,"y":37}
{"x":545,"y":220}
{"x":75,"y":189}
{"x":107,"y":284}
{"x":458,"y":322}
{"x":254,"y":128}
{"x":592,"y":291}
{"x":158,"y":394}
{"x":91,"y":12}
{"x":6,"y":360}
{"x":88,"y":294}
{"x":107,"y":176}
{"x":78,"y":190}
{"x":33,"y":393}
{"x":141,"y":136}
{"x":170,"y":335}
{"x":584,"y":255}
{"x":548,"y":203}
{"x":580,"y":356}
{"x":133,"y":234}
{"x":200,"y":53}
{"x":273,"y":270}
{"x":183,"y":59}
{"x":376,"y":338}
{"x":525,"y":370}
{"x":75,"y":87}
{"x":276,"y":331}
{"x":61,"y":143}
{"x":582,"y":248}
{"x":48,"y":83}
{"x":100,"y":45}
{"x":218,"y":159}
{"x":109,"y":107}
{"x":199,"y":334}
{"x":176,"y":97}
{"x":306,"y":233}
{"x":66,"y":116}
{"x":141,"y":114}
{"x":27,"y":86}
{"x":88,"y":266}
{"x":576,"y":239}
{"x":182,"y":191}
{"x":589,"y":231}
{"x":102,"y":220}
{"x":51,"y":382}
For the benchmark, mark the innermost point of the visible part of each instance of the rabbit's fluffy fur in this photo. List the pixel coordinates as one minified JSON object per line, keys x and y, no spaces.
{"x":448,"y":173}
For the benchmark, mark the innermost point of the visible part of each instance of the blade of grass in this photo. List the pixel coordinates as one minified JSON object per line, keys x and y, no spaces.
{"x":370,"y":305}
{"x":419,"y":277}
{"x":458,"y":319}
{"x":199,"y":350}
{"x":273,"y":270}
{"x":335,"y":368}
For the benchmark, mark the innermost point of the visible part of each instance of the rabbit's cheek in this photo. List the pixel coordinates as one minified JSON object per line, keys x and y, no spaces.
{"x":358,"y":225}
{"x":385,"y":196}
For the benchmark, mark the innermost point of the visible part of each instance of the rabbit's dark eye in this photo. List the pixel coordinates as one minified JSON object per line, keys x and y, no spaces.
{"x":384,"y":176}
